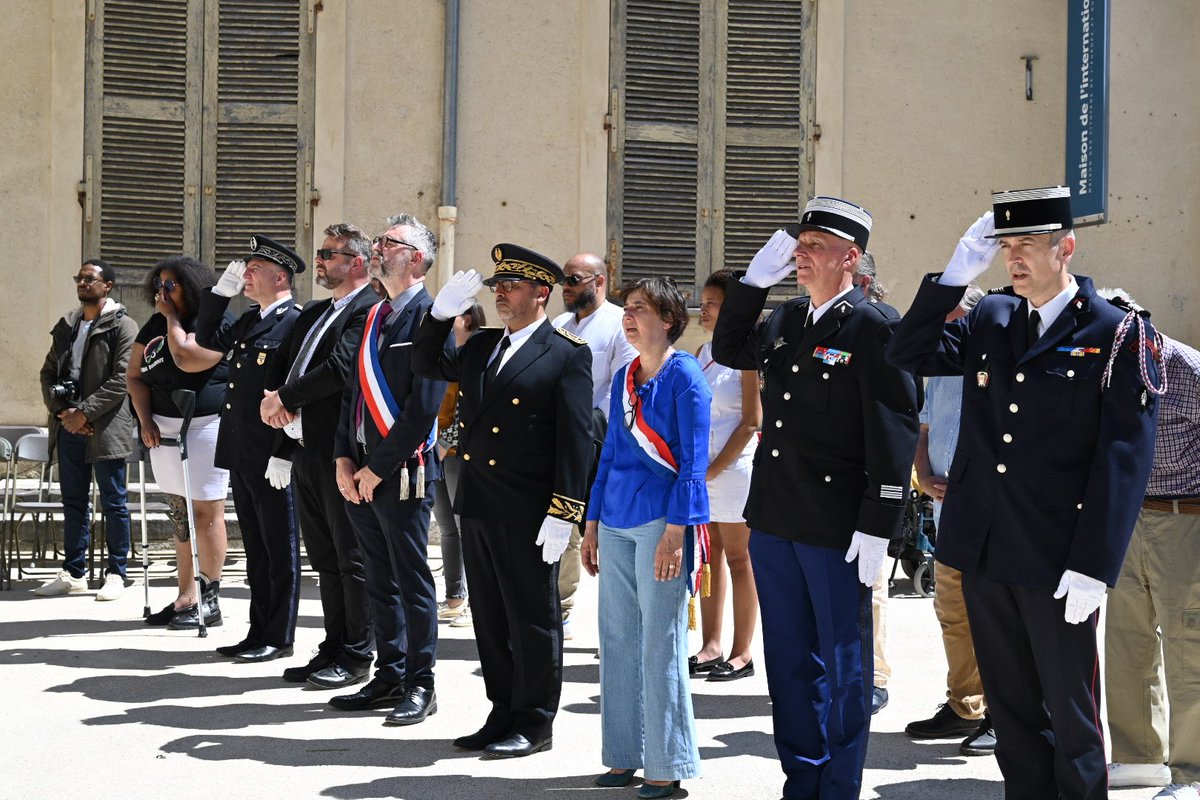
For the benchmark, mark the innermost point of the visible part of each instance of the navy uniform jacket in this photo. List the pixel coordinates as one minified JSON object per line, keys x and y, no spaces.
{"x":525,"y":445}
{"x":839,"y":424}
{"x":250,"y":345}
{"x":319,"y":390}
{"x":1048,"y":462}
{"x":419,"y":399}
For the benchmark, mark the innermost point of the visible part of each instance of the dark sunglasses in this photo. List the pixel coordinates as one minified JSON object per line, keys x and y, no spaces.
{"x":86,"y":280}
{"x":575,"y":280}
{"x":325,"y":253}
{"x":506,"y":286}
{"x":387,"y":241}
{"x":169,"y":285}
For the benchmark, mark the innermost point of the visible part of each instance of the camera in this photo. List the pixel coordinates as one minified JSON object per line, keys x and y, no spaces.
{"x":65,"y":390}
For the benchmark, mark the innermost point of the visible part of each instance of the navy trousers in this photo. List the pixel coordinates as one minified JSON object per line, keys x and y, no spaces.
{"x":268,"y":524}
{"x":816,"y":618}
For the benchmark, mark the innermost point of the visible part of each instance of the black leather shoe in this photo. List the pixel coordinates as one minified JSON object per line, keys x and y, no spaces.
{"x":879,"y":699}
{"x":698,"y":668}
{"x":728,"y":672}
{"x":188,"y":619}
{"x":231,"y":650}
{"x":982,"y":742}
{"x":268,"y":652}
{"x":481,"y":738}
{"x":335,"y":676}
{"x":161,"y":617}
{"x":517,"y":745}
{"x":419,"y":702}
{"x":301,"y":674}
{"x":376,"y":693}
{"x":945,"y":724}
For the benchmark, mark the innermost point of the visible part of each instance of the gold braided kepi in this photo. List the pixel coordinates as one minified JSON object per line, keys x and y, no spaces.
{"x":514,"y":262}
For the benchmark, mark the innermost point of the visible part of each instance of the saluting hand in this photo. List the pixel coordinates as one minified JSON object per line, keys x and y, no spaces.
{"x":456,"y":296}
{"x":772,"y":263}
{"x":668,"y":556}
{"x":973,"y":254}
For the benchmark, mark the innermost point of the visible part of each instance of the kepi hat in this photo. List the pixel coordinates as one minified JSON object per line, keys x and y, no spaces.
{"x":838,"y":217}
{"x":268,"y":249}
{"x":1028,"y":212}
{"x":514,"y":262}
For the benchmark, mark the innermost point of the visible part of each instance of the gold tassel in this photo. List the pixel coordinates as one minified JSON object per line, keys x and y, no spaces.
{"x":404,"y":482}
{"x":692,"y":613}
{"x":420,"y":480}
{"x":706,"y":581}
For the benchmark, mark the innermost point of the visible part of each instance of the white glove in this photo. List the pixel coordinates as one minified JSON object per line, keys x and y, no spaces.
{"x":456,"y":296}
{"x":231,"y":281}
{"x":869,"y":550}
{"x":553,"y":537}
{"x":279,"y":472}
{"x":973,"y":255}
{"x":772,"y":263}
{"x":1084,"y":595}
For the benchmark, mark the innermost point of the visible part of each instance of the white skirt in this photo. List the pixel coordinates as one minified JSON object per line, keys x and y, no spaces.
{"x":208,"y":482}
{"x":728,"y":491}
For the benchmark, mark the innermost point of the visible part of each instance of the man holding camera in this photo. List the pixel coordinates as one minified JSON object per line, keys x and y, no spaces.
{"x":83,"y":386}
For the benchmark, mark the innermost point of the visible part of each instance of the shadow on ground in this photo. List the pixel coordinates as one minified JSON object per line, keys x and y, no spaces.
{"x":118,"y":659}
{"x":172,"y":686}
{"x":470,"y":787}
{"x":387,"y":753}
{"x":215,"y":718}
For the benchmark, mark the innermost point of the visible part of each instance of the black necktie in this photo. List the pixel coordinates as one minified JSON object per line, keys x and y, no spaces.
{"x":808,"y":322}
{"x":494,"y":367}
{"x":1032,"y":336}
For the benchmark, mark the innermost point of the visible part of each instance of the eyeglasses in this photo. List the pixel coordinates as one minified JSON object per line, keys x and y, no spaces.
{"x":169,"y":285}
{"x":386,"y":241}
{"x":85,"y":280}
{"x":631,"y":412}
{"x":325,"y":253}
{"x":507,"y":286}
{"x":575,"y":280}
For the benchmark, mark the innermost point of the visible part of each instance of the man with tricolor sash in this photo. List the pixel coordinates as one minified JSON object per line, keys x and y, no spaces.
{"x":385,"y":463}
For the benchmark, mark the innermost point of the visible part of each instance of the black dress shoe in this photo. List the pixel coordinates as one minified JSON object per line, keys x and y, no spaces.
{"x":698,"y":668}
{"x":268,"y":652}
{"x":300,"y":674}
{"x":188,"y":619}
{"x":516,"y":746}
{"x":375,"y":693}
{"x":945,"y":724}
{"x":419,"y":702}
{"x":335,"y":676}
{"x":481,"y":738}
{"x":231,"y":650}
{"x":982,"y":742}
{"x":161,"y":617}
{"x":728,"y":672}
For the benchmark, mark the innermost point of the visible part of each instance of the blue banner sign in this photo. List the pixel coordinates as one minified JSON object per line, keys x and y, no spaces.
{"x":1087,"y":109}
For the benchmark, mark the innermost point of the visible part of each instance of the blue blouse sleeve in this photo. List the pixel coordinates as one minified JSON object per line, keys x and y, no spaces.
{"x":615,"y":417}
{"x":688,"y":503}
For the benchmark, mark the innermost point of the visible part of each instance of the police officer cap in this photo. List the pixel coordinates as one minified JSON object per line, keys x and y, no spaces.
{"x":1028,"y":212}
{"x":518,"y":263}
{"x":270,"y":250}
{"x":831,"y":215}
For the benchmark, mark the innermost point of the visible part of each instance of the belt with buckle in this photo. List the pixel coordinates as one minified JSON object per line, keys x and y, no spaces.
{"x":1188,"y":505}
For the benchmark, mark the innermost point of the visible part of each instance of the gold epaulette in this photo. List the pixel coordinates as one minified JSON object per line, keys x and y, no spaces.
{"x":570,"y":337}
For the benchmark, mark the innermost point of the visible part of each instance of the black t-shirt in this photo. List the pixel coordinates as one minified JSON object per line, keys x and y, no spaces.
{"x":160,"y":373}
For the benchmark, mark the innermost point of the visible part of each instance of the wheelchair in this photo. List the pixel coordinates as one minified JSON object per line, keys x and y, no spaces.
{"x":913,"y":546}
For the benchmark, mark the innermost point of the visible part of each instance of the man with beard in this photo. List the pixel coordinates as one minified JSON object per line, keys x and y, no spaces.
{"x":385,"y":468}
{"x":525,"y":443}
{"x":590,"y":316}
{"x":318,"y":356}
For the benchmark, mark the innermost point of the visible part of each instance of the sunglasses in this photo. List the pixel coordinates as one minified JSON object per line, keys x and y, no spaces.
{"x":507,"y":286}
{"x":325,"y":253}
{"x":169,"y":285}
{"x":575,"y":280}
{"x":85,"y":280}
{"x":387,"y":241}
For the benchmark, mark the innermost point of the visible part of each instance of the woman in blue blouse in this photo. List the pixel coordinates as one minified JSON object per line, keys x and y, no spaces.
{"x":649,"y":490}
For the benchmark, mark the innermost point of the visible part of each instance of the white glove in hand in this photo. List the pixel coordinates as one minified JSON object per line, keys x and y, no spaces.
{"x":1084,"y":595}
{"x":869,"y":550}
{"x":973,"y":255}
{"x":279,"y":472}
{"x":772,"y":263}
{"x":553,"y":537}
{"x":456,"y":296}
{"x":231,"y":281}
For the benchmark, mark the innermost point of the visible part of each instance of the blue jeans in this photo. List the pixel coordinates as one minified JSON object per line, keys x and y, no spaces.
{"x":645,"y":699}
{"x":75,"y":478}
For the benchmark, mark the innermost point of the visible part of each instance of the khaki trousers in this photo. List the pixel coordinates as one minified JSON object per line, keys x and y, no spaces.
{"x":1154,"y":622}
{"x":879,"y":604}
{"x":569,"y":567}
{"x":964,"y":689}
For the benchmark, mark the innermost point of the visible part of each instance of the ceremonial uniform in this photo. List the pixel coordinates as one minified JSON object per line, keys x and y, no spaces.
{"x":1049,"y":454}
{"x":318,"y":356}
{"x":388,"y":424}
{"x":525,"y":445}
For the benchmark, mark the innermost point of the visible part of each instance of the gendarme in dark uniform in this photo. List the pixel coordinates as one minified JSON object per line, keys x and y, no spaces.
{"x":525,"y":445}
{"x":839,"y":433}
{"x":1055,"y":448}
{"x":265,"y":515}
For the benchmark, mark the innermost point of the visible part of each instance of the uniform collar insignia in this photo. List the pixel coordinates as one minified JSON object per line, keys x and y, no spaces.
{"x":778,"y":343}
{"x":844,"y":307}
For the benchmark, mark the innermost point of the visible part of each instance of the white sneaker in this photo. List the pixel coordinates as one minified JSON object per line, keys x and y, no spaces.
{"x":463,"y":620}
{"x":1178,"y":791}
{"x":66,"y":583}
{"x":568,"y":630}
{"x":447,"y":611}
{"x":1122,"y":775}
{"x":113,"y":586}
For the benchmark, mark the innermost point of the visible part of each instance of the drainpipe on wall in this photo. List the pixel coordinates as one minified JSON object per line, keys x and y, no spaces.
{"x":448,"y":210}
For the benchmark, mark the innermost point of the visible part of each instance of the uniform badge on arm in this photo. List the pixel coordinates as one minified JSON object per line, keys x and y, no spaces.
{"x":566,"y":508}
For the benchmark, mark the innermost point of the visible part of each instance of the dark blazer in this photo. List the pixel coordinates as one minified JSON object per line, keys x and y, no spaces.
{"x":251,"y":345}
{"x":526,"y":444}
{"x":319,"y":391}
{"x":419,"y":399}
{"x":1050,"y":465}
{"x":838,"y":438}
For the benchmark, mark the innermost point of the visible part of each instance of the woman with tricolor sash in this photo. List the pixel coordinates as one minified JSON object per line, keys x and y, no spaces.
{"x":646,"y":514}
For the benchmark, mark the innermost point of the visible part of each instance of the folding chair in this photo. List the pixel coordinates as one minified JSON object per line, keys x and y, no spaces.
{"x":32,"y":448}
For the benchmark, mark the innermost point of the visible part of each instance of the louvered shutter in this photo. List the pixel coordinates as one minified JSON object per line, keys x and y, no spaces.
{"x":141,"y":165}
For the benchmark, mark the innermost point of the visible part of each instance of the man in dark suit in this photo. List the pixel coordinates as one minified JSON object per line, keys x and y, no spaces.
{"x":385,"y":466}
{"x":265,"y":513}
{"x":828,"y":489}
{"x":1057,"y":434}
{"x":525,"y":414}
{"x":318,"y":357}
